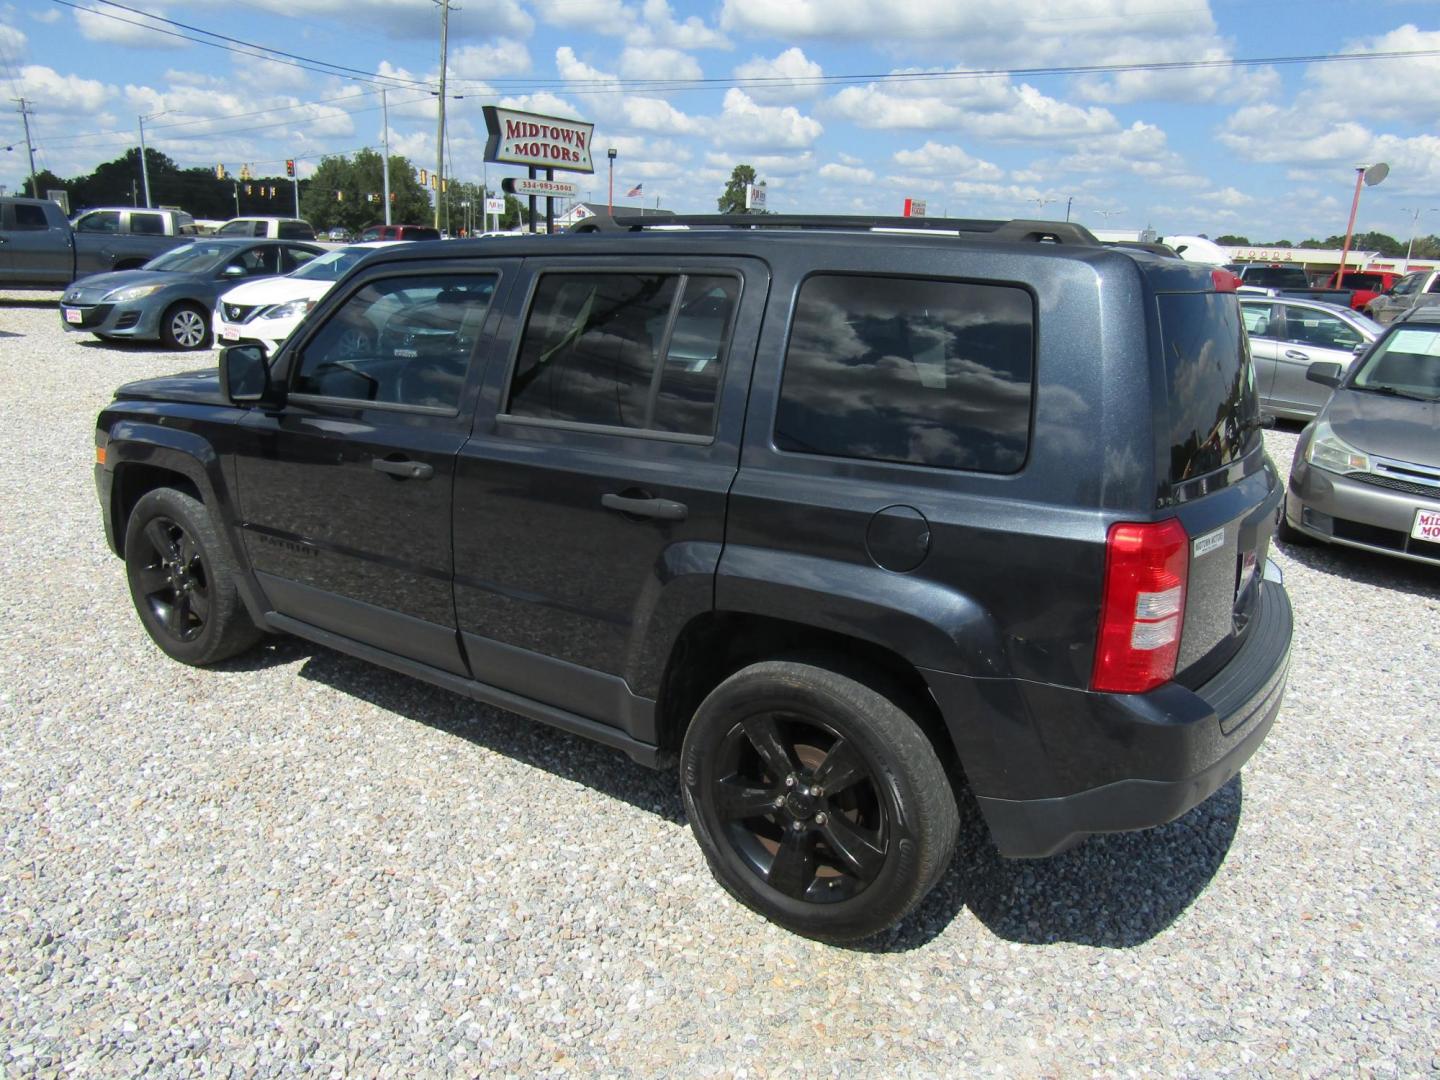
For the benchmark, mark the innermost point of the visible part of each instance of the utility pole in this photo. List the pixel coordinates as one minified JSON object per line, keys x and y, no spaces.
{"x":445,"y":7}
{"x":29,"y":149}
{"x":385,"y":165}
{"x":144,"y":168}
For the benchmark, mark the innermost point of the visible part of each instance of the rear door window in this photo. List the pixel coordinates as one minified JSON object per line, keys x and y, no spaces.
{"x":28,"y":216}
{"x":910,"y":370}
{"x":147,"y":224}
{"x":102,"y":221}
{"x":642,"y":351}
{"x":1214,"y":407}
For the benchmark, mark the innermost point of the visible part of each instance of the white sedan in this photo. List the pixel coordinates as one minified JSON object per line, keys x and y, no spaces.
{"x":265,"y":312}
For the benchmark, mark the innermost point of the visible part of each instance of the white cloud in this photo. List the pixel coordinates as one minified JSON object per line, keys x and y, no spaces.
{"x":1401,"y":89}
{"x":1141,"y":150}
{"x":12,"y":42}
{"x":1229,"y":196}
{"x":989,"y":108}
{"x":789,"y":76}
{"x":390,"y":18}
{"x":846,"y":174}
{"x":48,"y":89}
{"x":1187,"y":85}
{"x":654,"y":114}
{"x":651,"y":24}
{"x":767,"y":166}
{"x":111,"y":26}
{"x":936,"y":157}
{"x":503,"y":56}
{"x":658,"y":63}
{"x":764,"y":127}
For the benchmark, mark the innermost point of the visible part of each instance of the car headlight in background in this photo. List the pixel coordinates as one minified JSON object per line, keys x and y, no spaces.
{"x":131,"y":292}
{"x":293,"y":310}
{"x":1330,"y":452}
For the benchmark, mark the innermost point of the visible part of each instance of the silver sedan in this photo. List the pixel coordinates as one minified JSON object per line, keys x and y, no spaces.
{"x":1287,"y":336}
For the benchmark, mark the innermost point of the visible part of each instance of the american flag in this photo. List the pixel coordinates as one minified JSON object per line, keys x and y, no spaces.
{"x":634,"y":191}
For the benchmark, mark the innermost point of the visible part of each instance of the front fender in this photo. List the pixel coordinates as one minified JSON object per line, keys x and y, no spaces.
{"x":136,"y":443}
{"x":930,"y":625}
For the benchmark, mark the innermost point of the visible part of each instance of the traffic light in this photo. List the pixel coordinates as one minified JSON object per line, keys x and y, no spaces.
{"x":339,"y":196}
{"x":247,"y":191}
{"x":219,"y":172}
{"x":272,"y":191}
{"x":424,"y":178}
{"x":290,"y":167}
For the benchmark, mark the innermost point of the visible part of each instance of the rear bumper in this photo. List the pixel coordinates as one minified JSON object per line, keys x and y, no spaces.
{"x":1078,"y":763}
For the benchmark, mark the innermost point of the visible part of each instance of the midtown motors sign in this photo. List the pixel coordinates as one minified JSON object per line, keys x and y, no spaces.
{"x":543,"y":142}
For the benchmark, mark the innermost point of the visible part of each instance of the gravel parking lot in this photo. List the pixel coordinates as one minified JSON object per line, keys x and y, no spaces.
{"x":301,"y":864}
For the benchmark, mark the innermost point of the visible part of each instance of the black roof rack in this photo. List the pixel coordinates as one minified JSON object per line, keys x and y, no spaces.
{"x":1019,"y":229}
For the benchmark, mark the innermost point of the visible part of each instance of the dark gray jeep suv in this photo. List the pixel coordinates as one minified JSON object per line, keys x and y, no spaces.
{"x":844,"y":513}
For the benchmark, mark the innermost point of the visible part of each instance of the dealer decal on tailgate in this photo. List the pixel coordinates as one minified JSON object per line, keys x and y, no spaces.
{"x":1203,"y":545}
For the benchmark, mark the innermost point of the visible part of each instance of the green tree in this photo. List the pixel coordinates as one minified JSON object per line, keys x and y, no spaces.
{"x":348,"y":191}
{"x":1232,"y":241}
{"x":732,"y":199}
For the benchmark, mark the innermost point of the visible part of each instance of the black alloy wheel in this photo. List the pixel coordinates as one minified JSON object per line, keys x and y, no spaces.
{"x":182,"y":580}
{"x":817,"y":799}
{"x":801,"y":807}
{"x":173,"y":579}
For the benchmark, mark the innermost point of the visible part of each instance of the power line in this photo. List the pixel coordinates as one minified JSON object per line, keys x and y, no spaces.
{"x":277,"y":57}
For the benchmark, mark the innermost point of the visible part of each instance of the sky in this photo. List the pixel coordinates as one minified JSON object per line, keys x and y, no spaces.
{"x":996,"y":110}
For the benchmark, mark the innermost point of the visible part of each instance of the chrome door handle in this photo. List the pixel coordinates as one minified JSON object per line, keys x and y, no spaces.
{"x":1296,"y":354}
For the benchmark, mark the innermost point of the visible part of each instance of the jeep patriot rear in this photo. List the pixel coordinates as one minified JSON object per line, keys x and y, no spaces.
{"x":842,"y":512}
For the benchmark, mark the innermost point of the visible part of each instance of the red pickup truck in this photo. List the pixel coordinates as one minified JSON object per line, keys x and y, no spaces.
{"x":1367,"y":284}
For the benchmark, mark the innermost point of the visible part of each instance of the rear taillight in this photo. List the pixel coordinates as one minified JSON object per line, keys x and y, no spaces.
{"x":1146,"y":567}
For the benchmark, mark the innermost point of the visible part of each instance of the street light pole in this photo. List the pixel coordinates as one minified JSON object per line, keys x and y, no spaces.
{"x":1414,"y":226}
{"x":385,"y":165}
{"x":440,"y":130}
{"x":610,"y":204}
{"x":1370,"y":176}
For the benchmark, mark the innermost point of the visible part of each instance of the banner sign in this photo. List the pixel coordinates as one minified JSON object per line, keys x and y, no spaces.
{"x":545,"y":142}
{"x":546,"y":189}
{"x":494,"y":206}
{"x":914,"y":207}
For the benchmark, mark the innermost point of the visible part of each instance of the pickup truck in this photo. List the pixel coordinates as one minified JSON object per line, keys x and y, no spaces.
{"x":1365,"y":285}
{"x":134,"y":220}
{"x":40,"y":250}
{"x":1416,"y":290}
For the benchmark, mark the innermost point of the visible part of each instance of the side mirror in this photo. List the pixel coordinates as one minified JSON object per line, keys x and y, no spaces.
{"x":1326,"y":374}
{"x":244,"y":374}
{"x":234,"y":271}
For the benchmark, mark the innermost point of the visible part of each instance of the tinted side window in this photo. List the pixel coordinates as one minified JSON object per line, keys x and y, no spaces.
{"x":102,"y":221}
{"x":29,"y":216}
{"x":401,"y":341}
{"x":592,"y":343}
{"x":296,"y":230}
{"x":294,"y":258}
{"x":909,"y":370}
{"x":148,"y":224}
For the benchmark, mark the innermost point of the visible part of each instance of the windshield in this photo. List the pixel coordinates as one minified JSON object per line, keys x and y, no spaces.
{"x":196,"y":258}
{"x":1407,"y":362}
{"x":333,"y":265}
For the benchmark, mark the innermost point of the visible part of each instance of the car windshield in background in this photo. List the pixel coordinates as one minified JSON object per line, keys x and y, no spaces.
{"x":197,"y":258}
{"x":331,"y":266}
{"x":1407,"y":363}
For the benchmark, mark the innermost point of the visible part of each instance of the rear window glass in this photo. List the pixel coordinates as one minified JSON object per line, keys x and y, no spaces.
{"x":1214,"y":408}
{"x":909,"y":370}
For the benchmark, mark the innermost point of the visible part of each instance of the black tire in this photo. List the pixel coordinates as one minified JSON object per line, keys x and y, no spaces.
{"x":1291,"y":536}
{"x":182,"y":581}
{"x":779,"y":843}
{"x":185,"y":326}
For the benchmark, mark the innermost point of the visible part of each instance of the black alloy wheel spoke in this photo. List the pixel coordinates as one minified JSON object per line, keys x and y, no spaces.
{"x":172,"y":617}
{"x":735,"y":800}
{"x":153,"y":580}
{"x":199,"y":603}
{"x":159,"y":536}
{"x":189,"y":553}
{"x":764,"y":735}
{"x":858,"y":850}
{"x":793,"y":867}
{"x":841,"y":768}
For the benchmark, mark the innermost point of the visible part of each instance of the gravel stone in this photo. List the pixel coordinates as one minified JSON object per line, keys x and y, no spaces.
{"x":298,"y":864}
